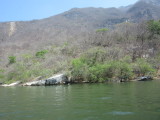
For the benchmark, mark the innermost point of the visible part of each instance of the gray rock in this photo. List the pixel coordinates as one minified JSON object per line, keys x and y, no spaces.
{"x":57,"y":79}
{"x":145,"y":78}
{"x":54,"y":80}
{"x":35,"y":83}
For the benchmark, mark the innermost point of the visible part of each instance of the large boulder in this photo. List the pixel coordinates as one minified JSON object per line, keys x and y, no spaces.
{"x":145,"y":78}
{"x":54,"y":80}
{"x":57,"y":79}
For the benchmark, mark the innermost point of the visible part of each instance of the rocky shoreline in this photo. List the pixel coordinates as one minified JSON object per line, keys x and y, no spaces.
{"x":54,"y":80}
{"x":60,"y":79}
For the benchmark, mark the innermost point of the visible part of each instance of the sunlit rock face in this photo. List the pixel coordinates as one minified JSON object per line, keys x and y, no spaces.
{"x":54,"y":80}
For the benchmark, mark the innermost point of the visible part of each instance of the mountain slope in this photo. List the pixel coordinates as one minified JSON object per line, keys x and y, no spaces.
{"x":22,"y":37}
{"x":143,"y":11}
{"x":154,"y":2}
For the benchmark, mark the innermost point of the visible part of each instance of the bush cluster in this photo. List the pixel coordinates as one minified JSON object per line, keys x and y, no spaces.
{"x":92,"y":68}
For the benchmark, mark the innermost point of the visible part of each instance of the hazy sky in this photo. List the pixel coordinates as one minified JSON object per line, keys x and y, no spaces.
{"x":16,"y":10}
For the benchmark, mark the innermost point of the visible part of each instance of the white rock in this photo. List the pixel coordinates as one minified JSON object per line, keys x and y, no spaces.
{"x":54,"y":80}
{"x":35,"y":83}
{"x":12,"y":84}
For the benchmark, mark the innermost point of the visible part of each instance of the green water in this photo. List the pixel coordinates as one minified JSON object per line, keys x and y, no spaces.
{"x":114,"y":101}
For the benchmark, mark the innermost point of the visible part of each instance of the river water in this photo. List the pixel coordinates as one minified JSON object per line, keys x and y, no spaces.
{"x":113,"y":101}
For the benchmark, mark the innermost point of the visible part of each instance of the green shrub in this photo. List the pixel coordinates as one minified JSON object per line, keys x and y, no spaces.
{"x":41,"y":54}
{"x":99,"y":73}
{"x":142,"y":68}
{"x":118,"y":69}
{"x":110,"y":69}
{"x":83,"y":68}
{"x":12,"y":76}
{"x":12,"y":59}
{"x":154,"y":27}
{"x":94,"y":56}
{"x":79,"y":69}
{"x":102,"y":30}
{"x":125,"y":71}
{"x":87,"y":69}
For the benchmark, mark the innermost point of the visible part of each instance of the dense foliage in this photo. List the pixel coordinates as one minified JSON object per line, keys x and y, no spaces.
{"x":93,"y":67}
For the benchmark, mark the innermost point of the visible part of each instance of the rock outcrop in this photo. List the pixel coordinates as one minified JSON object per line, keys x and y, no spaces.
{"x":35,"y":83}
{"x":57,"y":79}
{"x":145,"y":78}
{"x":54,"y":80}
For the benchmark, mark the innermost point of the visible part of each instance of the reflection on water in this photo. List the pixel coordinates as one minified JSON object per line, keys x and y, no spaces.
{"x":105,"y":98}
{"x":120,"y":113}
{"x":114,"y":101}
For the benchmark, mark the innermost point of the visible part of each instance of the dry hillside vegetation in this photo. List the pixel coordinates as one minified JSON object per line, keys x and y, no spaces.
{"x":94,"y":36}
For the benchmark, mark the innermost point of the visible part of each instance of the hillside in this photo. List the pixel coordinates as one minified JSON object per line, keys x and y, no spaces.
{"x":70,"y":34}
{"x":33,"y":35}
{"x":143,"y":11}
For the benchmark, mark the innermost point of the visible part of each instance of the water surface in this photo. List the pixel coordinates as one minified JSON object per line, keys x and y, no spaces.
{"x":113,"y":101}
